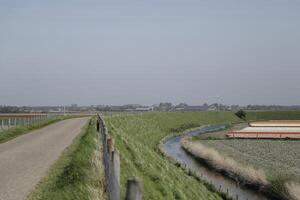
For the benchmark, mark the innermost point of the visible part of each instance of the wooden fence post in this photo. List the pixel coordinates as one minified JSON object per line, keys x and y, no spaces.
{"x":114,"y":177}
{"x":134,"y":190}
{"x":116,"y":161}
{"x":111,"y":160}
{"x":110,"y":146}
{"x":98,"y":125}
{"x":9,"y":123}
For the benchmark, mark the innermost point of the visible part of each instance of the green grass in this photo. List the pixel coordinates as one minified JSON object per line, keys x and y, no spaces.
{"x":12,"y":133}
{"x":274,"y":115}
{"x":137,"y":137}
{"x":78,"y":174}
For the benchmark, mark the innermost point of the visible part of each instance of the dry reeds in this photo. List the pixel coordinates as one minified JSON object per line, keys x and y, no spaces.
{"x":230,"y":167}
{"x":293,"y":190}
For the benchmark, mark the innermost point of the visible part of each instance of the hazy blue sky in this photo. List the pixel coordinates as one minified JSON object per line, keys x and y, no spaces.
{"x":117,"y":52}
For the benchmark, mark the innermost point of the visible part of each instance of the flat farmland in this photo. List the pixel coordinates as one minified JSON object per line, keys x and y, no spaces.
{"x":272,"y":165}
{"x":278,"y":158}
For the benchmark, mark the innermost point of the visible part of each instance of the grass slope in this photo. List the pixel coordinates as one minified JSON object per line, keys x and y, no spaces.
{"x":137,"y":137}
{"x":78,"y":174}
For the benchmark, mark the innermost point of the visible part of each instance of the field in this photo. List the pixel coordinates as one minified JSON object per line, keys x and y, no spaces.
{"x":137,"y":137}
{"x":273,"y":115}
{"x":277,"y":160}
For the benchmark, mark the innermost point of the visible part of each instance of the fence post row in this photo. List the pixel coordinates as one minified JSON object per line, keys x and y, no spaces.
{"x":8,"y":121}
{"x":111,"y":161}
{"x":134,"y":190}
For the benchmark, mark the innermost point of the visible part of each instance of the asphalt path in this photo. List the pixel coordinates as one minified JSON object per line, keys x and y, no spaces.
{"x":25,"y":160}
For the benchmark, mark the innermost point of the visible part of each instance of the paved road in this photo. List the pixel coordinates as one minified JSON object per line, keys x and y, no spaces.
{"x":24,"y":161}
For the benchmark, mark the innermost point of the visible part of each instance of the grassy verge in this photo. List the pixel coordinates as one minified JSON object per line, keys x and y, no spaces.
{"x":137,"y":137}
{"x":78,"y":174}
{"x":11,"y":133}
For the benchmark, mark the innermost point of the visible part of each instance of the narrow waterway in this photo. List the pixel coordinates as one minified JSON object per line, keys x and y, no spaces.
{"x":172,"y":148}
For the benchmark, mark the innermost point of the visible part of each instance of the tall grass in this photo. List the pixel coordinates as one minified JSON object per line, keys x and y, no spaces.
{"x":137,"y":137}
{"x":293,"y":190}
{"x":78,"y":174}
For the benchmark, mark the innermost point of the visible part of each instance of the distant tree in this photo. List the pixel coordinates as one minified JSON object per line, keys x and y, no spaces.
{"x":165,"y":106}
{"x":9,"y":109}
{"x":182,"y":105}
{"x":241,"y":114}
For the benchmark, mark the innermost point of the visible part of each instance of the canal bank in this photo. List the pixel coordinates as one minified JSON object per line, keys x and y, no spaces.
{"x":227,"y":188}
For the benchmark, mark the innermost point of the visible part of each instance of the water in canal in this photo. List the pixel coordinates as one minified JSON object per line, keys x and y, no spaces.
{"x":172,"y":148}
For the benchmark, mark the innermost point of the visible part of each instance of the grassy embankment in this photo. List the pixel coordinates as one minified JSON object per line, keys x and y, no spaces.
{"x":11,"y":133}
{"x":78,"y":174}
{"x":137,"y":137}
{"x":271,"y":165}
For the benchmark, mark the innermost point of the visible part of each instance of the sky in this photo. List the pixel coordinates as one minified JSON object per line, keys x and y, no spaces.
{"x":118,"y":52}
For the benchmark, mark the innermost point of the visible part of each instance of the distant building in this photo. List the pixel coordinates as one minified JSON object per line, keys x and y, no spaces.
{"x":196,"y":108}
{"x":144,"y":109}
